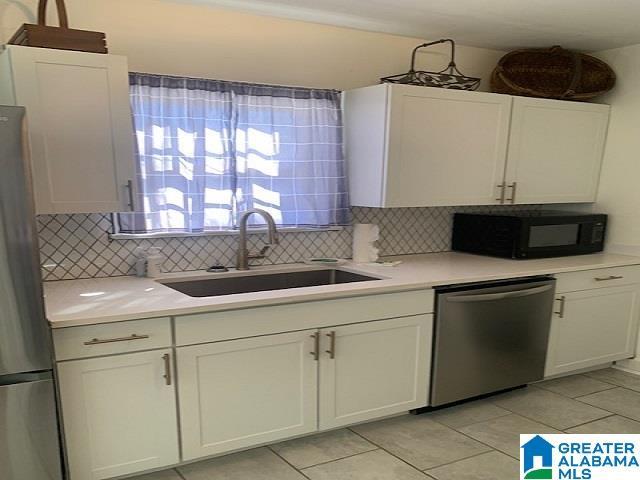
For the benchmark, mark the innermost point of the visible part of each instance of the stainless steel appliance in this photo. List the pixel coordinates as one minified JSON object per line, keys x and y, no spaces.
{"x":529,"y":234}
{"x":29,"y":442}
{"x":490,"y":337}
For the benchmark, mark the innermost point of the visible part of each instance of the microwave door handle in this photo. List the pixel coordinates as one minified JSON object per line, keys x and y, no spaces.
{"x":487,"y":297}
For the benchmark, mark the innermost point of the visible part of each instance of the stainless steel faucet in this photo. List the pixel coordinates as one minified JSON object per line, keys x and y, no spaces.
{"x":242,"y":262}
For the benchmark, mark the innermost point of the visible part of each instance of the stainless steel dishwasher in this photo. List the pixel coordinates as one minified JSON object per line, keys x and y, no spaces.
{"x":490,"y":337}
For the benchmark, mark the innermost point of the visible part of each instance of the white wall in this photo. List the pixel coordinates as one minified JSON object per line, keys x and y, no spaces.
{"x":619,"y":192}
{"x":196,"y":40}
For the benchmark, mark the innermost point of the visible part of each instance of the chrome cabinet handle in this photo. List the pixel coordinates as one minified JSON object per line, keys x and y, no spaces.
{"x":513,"y":188}
{"x":563,"y":302}
{"x":316,"y":346}
{"x":129,"y":187}
{"x":502,"y":187}
{"x":610,"y":277}
{"x":97,"y":341}
{"x":167,"y":368}
{"x":332,"y":344}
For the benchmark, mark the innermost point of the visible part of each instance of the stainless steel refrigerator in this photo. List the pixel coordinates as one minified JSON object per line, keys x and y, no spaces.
{"x":29,"y":441}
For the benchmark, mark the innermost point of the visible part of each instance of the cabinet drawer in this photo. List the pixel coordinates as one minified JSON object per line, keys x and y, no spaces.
{"x":600,"y":278}
{"x":110,"y":338}
{"x":251,"y":322}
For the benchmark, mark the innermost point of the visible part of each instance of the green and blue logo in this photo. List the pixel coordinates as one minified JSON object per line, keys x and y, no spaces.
{"x":580,"y":457}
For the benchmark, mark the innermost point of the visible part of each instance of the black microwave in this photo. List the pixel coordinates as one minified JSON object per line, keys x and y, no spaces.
{"x":529,"y":234}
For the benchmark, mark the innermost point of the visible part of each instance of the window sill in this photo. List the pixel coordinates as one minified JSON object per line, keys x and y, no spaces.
{"x":217,"y":233}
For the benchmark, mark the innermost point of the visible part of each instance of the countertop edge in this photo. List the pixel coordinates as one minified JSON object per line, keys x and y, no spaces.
{"x":330,"y":295}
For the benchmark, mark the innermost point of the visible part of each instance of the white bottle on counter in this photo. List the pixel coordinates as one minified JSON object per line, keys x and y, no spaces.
{"x":154,"y":262}
{"x":140,"y":255}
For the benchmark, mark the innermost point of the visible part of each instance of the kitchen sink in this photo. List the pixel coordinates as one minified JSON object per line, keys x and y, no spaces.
{"x":262,"y":282}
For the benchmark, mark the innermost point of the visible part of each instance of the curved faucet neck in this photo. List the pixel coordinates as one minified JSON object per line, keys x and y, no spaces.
{"x":243,"y":253}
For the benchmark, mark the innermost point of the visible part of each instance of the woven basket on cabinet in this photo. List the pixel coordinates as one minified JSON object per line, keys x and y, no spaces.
{"x":552,"y":73}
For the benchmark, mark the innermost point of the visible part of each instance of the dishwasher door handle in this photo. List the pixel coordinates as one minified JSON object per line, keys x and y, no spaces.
{"x":487,"y":297}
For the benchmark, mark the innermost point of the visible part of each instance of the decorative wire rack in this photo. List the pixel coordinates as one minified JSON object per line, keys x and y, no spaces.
{"x":450,"y":77}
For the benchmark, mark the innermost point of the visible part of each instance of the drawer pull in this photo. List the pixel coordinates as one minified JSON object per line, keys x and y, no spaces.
{"x":610,"y":277}
{"x":316,"y":346}
{"x":513,"y":188}
{"x":167,"y":368}
{"x":332,"y":344}
{"x":97,"y":341}
{"x":563,"y":301}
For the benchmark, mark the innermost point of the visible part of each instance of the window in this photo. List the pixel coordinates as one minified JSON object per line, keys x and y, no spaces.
{"x":209,"y":149}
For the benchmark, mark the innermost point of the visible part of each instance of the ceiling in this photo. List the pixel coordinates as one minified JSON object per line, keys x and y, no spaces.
{"x":588,"y":25}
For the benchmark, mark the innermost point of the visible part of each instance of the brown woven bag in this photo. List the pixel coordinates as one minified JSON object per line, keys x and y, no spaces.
{"x":62,"y":37}
{"x":552,"y":73}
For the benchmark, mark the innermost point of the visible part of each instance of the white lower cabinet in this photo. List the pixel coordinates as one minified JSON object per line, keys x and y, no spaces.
{"x":239,"y":393}
{"x":123,"y":411}
{"x":119,"y":414}
{"x":593,"y":327}
{"x":370,"y":370}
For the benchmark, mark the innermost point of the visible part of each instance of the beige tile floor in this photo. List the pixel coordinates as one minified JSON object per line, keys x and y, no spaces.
{"x":473,"y":441}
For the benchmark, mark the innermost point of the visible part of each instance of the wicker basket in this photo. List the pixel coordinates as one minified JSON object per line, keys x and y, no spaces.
{"x":62,"y":37}
{"x":552,"y":73}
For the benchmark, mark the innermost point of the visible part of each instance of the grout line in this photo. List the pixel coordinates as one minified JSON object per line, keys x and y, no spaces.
{"x":386,"y":451}
{"x":540,"y":422}
{"x":609,"y":382}
{"x":341,"y":458}
{"x":411,"y":465}
{"x":508,"y":412}
{"x":286,"y":461}
{"x":461,"y":459}
{"x":546,"y":424}
{"x":591,"y":421}
{"x":609,"y":389}
{"x":609,"y":386}
{"x":180,"y":474}
{"x":334,"y":460}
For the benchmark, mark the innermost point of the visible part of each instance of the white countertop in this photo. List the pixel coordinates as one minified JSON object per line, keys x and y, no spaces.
{"x":87,"y":302}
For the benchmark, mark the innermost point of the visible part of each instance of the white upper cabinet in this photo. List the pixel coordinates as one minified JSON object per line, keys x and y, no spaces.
{"x":555,"y":150}
{"x":79,"y":127}
{"x":411,"y":146}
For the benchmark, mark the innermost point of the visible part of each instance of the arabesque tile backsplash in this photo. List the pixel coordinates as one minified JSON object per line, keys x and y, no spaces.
{"x":78,"y":245}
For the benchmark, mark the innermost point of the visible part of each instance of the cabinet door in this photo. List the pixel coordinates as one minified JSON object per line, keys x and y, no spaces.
{"x":593,"y":327}
{"x":80,"y":128}
{"x":239,"y":393}
{"x":374,"y":369}
{"x":555,"y":150}
{"x":445,"y":147}
{"x":119,"y":414}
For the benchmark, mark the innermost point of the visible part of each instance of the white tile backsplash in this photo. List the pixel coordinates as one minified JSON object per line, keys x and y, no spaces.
{"x":78,"y":246}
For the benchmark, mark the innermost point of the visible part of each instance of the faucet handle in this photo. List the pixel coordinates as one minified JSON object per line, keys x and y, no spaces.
{"x":260,"y":254}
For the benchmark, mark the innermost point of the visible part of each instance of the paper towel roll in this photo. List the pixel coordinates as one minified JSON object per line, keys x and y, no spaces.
{"x":364,"y":238}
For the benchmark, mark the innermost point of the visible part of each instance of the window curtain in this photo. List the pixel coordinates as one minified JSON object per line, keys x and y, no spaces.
{"x":208,"y":150}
